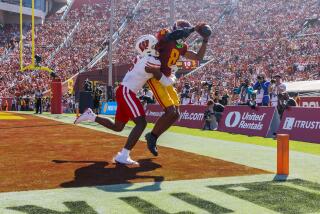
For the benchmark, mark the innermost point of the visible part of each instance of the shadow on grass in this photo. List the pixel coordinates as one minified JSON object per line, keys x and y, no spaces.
{"x":98,"y":174}
{"x":280,"y":178}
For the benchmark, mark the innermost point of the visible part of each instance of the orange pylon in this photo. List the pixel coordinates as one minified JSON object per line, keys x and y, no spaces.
{"x":283,"y":154}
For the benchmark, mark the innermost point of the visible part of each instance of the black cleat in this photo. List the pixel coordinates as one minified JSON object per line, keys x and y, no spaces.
{"x":152,"y":143}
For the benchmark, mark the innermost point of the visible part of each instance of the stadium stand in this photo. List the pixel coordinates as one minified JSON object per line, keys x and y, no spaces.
{"x":250,"y":37}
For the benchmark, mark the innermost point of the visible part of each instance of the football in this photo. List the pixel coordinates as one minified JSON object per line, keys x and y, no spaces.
{"x":204,"y":30}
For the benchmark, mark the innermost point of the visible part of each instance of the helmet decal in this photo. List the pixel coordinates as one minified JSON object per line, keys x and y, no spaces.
{"x":144,"y":45}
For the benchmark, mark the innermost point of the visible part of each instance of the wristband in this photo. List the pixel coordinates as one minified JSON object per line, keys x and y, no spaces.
{"x":166,"y":81}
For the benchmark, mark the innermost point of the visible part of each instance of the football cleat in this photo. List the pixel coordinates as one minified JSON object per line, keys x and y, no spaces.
{"x":88,"y":115}
{"x":123,"y":159}
{"x":152,"y":143}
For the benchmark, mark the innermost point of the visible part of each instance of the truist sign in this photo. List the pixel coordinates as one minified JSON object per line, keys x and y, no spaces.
{"x":262,"y":121}
{"x":301,"y":124}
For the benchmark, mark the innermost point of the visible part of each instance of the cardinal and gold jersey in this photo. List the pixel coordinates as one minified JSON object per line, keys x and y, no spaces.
{"x":170,"y":52}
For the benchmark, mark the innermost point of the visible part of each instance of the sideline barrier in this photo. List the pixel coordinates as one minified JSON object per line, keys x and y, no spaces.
{"x":301,"y":124}
{"x":310,"y":102}
{"x":261,"y":121}
{"x":108,"y":108}
{"x":191,"y":116}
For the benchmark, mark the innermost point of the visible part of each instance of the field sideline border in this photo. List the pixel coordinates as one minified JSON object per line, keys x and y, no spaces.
{"x":298,"y":146}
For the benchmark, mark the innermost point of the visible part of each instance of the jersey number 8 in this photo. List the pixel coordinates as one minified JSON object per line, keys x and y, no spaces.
{"x":174,"y":56}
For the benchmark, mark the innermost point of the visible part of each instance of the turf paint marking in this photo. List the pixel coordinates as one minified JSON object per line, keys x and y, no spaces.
{"x":141,"y":205}
{"x":75,"y":207}
{"x":9,"y":116}
{"x":146,"y":207}
{"x":239,"y":188}
{"x":291,"y":197}
{"x":201,"y":203}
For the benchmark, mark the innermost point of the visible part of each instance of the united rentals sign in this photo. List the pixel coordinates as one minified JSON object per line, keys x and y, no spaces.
{"x":261,"y":121}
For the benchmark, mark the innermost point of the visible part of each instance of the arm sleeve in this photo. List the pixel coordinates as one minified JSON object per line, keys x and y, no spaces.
{"x":179,"y":34}
{"x":167,"y":81}
{"x":267,"y":84}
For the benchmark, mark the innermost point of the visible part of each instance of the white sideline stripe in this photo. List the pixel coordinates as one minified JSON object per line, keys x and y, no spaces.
{"x":127,"y":101}
{"x":133,"y":103}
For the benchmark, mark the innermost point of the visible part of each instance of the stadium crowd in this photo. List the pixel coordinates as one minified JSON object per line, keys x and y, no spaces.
{"x":250,"y":38}
{"x":82,"y":46}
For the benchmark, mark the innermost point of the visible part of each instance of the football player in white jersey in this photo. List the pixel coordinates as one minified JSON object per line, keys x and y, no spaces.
{"x":146,"y":65}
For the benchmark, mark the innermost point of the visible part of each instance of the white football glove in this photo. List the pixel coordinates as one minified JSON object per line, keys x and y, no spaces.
{"x":167,"y":81}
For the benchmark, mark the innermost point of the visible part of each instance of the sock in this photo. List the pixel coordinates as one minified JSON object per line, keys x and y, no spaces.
{"x":154,"y":135}
{"x":125,"y":152}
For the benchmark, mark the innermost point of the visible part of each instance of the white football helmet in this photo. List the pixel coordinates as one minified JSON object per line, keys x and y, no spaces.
{"x":146,"y":45}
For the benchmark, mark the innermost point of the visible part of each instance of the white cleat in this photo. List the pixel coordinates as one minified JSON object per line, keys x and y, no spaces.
{"x":88,"y":115}
{"x":120,"y":158}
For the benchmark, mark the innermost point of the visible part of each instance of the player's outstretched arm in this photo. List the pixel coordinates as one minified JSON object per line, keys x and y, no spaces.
{"x":197,"y":56}
{"x":165,"y":81}
{"x":205,"y":32}
{"x":179,"y":34}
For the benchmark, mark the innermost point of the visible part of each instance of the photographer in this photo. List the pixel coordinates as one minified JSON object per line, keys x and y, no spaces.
{"x":284,"y":102}
{"x":225,"y":98}
{"x":205,"y":92}
{"x":218,"y":109}
{"x":38,"y":98}
{"x":210,"y":122}
{"x":96,"y":99}
{"x":262,"y":88}
{"x":87,"y":85}
{"x":246,"y":94}
{"x":216,"y":96}
{"x":146,"y":96}
{"x":276,"y":88}
{"x":186,"y":94}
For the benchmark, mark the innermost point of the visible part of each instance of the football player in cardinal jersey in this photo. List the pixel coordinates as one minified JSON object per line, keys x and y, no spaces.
{"x":145,"y":66}
{"x":171,"y":46}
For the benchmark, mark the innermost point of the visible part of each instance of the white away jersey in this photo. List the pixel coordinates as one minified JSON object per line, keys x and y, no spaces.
{"x":137,"y":76}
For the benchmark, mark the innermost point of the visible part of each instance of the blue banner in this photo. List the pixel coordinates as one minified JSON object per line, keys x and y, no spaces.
{"x":108,"y":108}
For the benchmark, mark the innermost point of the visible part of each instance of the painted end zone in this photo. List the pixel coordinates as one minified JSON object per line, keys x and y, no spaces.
{"x":38,"y":153}
{"x":10,"y":116}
